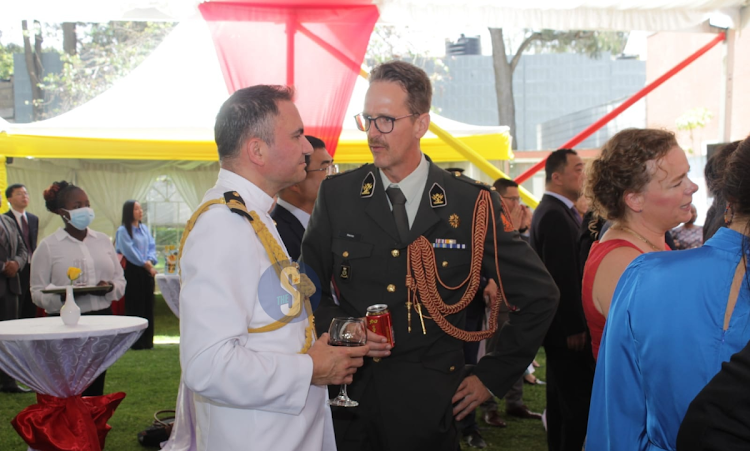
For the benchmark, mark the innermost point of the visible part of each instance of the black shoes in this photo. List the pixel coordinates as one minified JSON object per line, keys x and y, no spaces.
{"x":523,"y":412}
{"x":475,"y":440}
{"x":492,"y":418}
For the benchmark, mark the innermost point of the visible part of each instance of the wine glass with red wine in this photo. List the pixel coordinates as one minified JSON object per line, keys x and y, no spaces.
{"x":346,"y":332}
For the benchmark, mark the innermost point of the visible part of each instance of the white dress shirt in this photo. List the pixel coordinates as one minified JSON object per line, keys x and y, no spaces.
{"x":302,"y":216}
{"x":58,"y":252}
{"x":251,"y":390}
{"x":568,"y":203}
{"x":412,"y":186}
{"x":19,"y":215}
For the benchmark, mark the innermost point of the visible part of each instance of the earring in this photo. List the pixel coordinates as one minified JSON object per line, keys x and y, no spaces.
{"x":728,"y":215}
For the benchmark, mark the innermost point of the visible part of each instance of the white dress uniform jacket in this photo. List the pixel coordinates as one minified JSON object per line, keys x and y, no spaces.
{"x":251,"y":391}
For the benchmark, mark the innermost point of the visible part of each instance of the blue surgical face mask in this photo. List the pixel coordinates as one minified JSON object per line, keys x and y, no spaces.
{"x":80,"y":218}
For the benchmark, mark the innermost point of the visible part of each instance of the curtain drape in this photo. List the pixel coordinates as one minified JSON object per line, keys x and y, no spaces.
{"x":193,"y":184}
{"x":319,"y":50}
{"x":38,"y":175}
{"x":108,"y":183}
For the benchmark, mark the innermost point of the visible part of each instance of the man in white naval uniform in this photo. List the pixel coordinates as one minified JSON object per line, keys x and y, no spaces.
{"x":258,"y":383}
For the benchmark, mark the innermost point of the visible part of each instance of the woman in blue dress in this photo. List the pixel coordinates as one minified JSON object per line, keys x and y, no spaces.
{"x":675,"y":318}
{"x":135,"y":243}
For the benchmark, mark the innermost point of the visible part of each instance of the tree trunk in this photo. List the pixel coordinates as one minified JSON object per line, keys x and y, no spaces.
{"x":34,"y":67}
{"x":506,"y":108}
{"x":70,"y":39}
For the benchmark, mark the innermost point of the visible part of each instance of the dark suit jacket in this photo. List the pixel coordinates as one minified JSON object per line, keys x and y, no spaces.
{"x":25,"y":274}
{"x":718,"y":419}
{"x":290,"y":230}
{"x":33,"y":227}
{"x":554,"y":237}
{"x":353,"y":228}
{"x":12,"y":249}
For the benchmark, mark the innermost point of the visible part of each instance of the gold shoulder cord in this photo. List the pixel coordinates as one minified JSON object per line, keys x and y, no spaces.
{"x":422,"y":277}
{"x":279,"y":261}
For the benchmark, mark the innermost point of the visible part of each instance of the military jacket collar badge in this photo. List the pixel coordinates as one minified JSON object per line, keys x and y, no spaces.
{"x":368,"y":185}
{"x":437,"y":196}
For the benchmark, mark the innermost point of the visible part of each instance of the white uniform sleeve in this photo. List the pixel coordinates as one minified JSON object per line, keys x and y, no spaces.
{"x":220,"y":264}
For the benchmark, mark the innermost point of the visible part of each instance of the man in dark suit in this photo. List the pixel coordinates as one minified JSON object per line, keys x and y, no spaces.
{"x":570,"y":363}
{"x":13,"y":258}
{"x":28,"y":227}
{"x":520,"y":216}
{"x":366,"y":224}
{"x":295,"y":203}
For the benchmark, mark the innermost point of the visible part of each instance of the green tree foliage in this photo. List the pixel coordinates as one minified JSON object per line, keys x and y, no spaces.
{"x":389,"y":42}
{"x":591,"y":43}
{"x":692,"y":120}
{"x":106,"y":52}
{"x":6,"y":59}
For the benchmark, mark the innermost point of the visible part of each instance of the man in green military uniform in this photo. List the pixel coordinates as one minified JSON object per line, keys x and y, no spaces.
{"x":404,"y":215}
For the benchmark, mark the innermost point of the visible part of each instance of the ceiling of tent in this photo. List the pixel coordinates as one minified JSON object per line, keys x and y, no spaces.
{"x":166,"y":108}
{"x":648,"y":15}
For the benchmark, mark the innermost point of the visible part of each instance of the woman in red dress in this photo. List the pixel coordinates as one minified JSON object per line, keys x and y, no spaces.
{"x":640,"y":184}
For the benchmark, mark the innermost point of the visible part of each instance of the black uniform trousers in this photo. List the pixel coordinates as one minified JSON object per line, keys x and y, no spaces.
{"x":403,"y":385}
{"x":570,"y":377}
{"x":139,"y":301}
{"x":8,"y":311}
{"x":26,"y":307}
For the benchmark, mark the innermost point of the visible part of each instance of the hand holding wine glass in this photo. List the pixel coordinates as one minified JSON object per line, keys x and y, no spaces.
{"x":334,"y":365}
{"x":349,"y":332}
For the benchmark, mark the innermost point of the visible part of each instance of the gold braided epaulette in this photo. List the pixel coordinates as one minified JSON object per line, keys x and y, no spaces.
{"x":279,"y":261}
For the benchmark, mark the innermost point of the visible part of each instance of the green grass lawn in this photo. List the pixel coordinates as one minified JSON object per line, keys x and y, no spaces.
{"x":520,"y":435}
{"x":151,"y":377}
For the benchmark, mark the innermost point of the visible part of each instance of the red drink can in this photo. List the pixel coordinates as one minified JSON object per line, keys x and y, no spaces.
{"x":379,"y":321}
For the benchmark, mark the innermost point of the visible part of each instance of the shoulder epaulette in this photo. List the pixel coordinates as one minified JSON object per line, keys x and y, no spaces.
{"x":350,"y":171}
{"x":237,"y":205}
{"x":459,"y":176}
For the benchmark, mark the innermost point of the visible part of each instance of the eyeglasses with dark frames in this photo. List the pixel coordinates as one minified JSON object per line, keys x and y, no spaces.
{"x":384,"y":124}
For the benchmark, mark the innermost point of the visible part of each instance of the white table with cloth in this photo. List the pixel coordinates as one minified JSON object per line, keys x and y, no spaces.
{"x":58,"y":362}
{"x":169,"y":285}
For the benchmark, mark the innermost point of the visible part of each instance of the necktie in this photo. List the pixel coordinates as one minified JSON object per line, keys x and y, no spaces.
{"x":576,"y":214}
{"x":25,"y":233}
{"x":398,"y":200}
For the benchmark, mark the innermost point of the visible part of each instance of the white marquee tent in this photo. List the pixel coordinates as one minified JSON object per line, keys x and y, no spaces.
{"x":648,"y":15}
{"x":174,"y":109}
{"x":164,"y":112}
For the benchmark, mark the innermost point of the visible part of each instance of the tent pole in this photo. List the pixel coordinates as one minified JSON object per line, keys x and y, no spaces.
{"x":625,"y":105}
{"x":331,"y":49}
{"x":291,"y":30}
{"x":727,"y":85}
{"x":3,"y":183}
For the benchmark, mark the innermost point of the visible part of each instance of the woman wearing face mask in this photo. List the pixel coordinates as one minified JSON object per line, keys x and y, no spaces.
{"x":135,"y":243}
{"x":74,"y":245}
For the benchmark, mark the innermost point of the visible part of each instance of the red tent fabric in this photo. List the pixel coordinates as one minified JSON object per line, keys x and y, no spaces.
{"x":316,"y":47}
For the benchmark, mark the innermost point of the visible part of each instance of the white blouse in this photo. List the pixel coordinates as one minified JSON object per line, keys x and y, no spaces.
{"x":58,"y":252}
